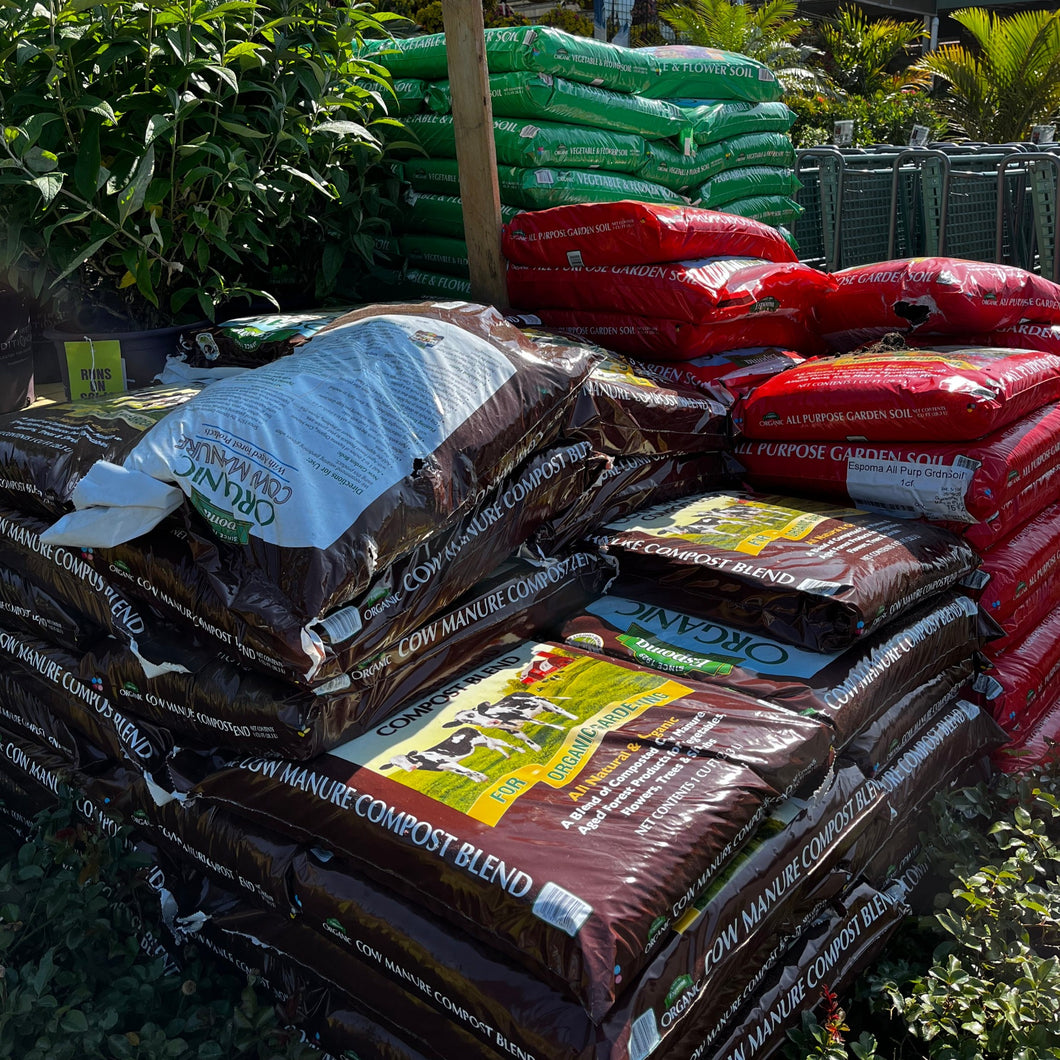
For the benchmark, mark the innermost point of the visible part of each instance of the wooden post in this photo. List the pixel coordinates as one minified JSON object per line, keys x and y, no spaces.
{"x":476,"y":153}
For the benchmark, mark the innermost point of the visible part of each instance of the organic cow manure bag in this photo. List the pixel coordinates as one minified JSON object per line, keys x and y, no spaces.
{"x":305,"y":478}
{"x":848,"y":689}
{"x":554,"y":804}
{"x":441,"y":215}
{"x":744,"y":182}
{"x":45,"y":450}
{"x":804,"y":572}
{"x":901,"y":395}
{"x":207,"y":700}
{"x":635,"y":233}
{"x":532,"y":144}
{"x":709,"y":73}
{"x":669,"y":165}
{"x":956,"y":482}
{"x":550,"y":98}
{"x":511,"y":48}
{"x":718,"y":119}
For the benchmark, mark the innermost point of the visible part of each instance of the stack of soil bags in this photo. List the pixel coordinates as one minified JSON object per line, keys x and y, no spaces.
{"x":661,"y":283}
{"x":962,"y":435}
{"x":578,"y":120}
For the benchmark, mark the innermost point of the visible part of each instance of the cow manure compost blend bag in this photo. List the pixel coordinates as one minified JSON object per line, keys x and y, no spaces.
{"x":956,"y":482}
{"x":26,"y":606}
{"x":937,"y":296}
{"x":803,"y":572}
{"x":45,"y":450}
{"x":533,"y":144}
{"x":307,"y":477}
{"x":706,"y":292}
{"x":210,"y":701}
{"x":545,"y":96}
{"x":709,"y":73}
{"x":635,"y":233}
{"x":901,"y":395}
{"x":537,"y":48}
{"x":848,"y":689}
{"x":555,"y":804}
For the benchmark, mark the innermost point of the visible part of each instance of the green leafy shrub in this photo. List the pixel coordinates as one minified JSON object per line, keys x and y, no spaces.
{"x":879,"y":119}
{"x":168,"y":155}
{"x":75,"y":982}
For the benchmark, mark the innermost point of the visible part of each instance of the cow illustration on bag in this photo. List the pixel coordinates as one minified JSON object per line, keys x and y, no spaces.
{"x":446,"y":757}
{"x":512,"y":713}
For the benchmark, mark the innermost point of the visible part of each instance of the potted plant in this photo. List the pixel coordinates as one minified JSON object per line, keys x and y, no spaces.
{"x":161,"y":158}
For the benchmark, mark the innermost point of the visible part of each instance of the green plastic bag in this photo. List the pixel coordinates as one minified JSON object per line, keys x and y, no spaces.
{"x":776,"y":210}
{"x":544,"y":96}
{"x":538,"y":143}
{"x":541,"y":49}
{"x":411,"y":97}
{"x":713,"y":120}
{"x":745,"y":183}
{"x":709,"y":73}
{"x":435,"y":253}
{"x":667,"y":165}
{"x":441,"y":215}
{"x":427,"y":284}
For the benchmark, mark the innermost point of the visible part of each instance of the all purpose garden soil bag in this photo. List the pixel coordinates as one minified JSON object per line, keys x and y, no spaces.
{"x":706,"y":291}
{"x":957,"y":482}
{"x":304,"y":479}
{"x":657,"y":339}
{"x":901,"y":395}
{"x":802,"y":572}
{"x":936,"y":296}
{"x":560,"y":806}
{"x":635,"y":233}
{"x":848,"y":689}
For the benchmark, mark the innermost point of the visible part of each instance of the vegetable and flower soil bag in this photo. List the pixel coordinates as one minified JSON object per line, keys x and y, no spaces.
{"x":932,"y":296}
{"x":803,"y":572}
{"x":532,"y":144}
{"x":775,"y":210}
{"x":208,"y":701}
{"x":306,"y":478}
{"x":706,"y":291}
{"x":956,"y":482}
{"x":711,"y":120}
{"x":709,"y":73}
{"x":849,"y":689}
{"x":537,"y":48}
{"x":545,"y":96}
{"x":441,"y":215}
{"x":901,"y":395}
{"x":635,"y":233}
{"x":557,"y":805}
{"x":656,"y":339}
{"x":668,"y":165}
{"x":744,"y":182}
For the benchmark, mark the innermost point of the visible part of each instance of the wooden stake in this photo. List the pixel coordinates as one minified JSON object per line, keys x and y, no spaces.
{"x":476,"y":154}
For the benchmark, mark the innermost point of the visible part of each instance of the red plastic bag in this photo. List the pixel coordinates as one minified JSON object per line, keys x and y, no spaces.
{"x":635,"y":233}
{"x":1037,"y":744}
{"x":958,"y":482}
{"x":674,"y":340}
{"x":938,"y":296}
{"x":901,"y":395}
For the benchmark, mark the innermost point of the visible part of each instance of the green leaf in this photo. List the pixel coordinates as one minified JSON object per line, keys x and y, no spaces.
{"x":86,"y":168}
{"x":131,"y":197}
{"x":74,"y":1021}
{"x":33,"y":126}
{"x":90,"y":251}
{"x":242,"y":130}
